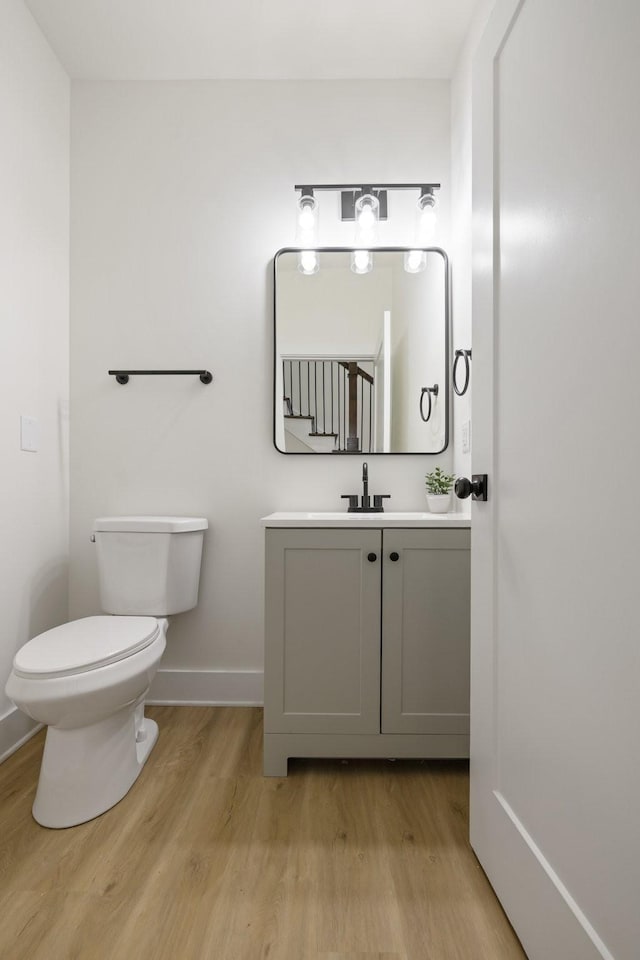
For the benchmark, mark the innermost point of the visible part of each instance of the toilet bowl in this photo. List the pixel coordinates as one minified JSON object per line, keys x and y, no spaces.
{"x":87,"y":679}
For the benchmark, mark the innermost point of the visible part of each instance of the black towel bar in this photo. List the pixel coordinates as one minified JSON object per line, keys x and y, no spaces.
{"x":122,"y":376}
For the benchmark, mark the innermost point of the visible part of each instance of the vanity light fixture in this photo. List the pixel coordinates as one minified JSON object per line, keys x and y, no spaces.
{"x":367,"y":205}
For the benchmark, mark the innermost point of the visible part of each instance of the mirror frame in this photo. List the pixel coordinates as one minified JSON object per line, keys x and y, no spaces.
{"x":447,"y":350}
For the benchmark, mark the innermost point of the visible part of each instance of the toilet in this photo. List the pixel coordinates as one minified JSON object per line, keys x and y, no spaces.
{"x":87,"y":679}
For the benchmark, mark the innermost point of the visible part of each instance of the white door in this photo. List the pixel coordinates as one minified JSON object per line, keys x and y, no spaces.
{"x":555,"y":769}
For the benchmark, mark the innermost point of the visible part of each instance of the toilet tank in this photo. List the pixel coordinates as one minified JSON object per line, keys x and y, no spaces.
{"x":149,"y":566}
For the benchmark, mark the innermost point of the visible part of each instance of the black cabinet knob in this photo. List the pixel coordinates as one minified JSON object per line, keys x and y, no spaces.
{"x":394,"y":556}
{"x":372,"y":557}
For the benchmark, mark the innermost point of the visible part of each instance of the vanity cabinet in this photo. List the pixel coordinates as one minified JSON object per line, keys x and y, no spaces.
{"x":367,"y":644}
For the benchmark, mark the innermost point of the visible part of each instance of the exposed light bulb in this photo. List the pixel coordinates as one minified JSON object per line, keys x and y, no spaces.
{"x":361,"y":261}
{"x":427,"y":219}
{"x":306,"y":218}
{"x":415,"y":261}
{"x":308,"y":262}
{"x":367,"y":212}
{"x":366,"y":218}
{"x":307,"y":221}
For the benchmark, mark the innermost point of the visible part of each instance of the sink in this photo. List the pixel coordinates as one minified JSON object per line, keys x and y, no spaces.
{"x":390,"y":518}
{"x":386,"y":515}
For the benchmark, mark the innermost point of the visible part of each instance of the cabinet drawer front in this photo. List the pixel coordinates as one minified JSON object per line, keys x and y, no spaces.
{"x":322,"y":650}
{"x":425,"y":632}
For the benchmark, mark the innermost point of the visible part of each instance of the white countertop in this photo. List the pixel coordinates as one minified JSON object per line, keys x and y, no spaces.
{"x":377,"y":520}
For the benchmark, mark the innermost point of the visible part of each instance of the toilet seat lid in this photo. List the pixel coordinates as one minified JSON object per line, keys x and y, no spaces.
{"x":83,"y":645}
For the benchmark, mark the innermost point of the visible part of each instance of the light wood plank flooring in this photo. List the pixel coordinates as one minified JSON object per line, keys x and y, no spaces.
{"x":207,"y":860}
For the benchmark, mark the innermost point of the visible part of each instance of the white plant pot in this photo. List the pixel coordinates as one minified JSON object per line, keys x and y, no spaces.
{"x":439,"y":502}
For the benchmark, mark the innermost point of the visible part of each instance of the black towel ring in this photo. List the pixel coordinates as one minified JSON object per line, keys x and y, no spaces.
{"x":467,"y":371}
{"x":429,"y":391}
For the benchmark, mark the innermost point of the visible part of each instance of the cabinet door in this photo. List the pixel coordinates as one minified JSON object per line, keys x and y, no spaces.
{"x":425,"y":632}
{"x":322,"y":650}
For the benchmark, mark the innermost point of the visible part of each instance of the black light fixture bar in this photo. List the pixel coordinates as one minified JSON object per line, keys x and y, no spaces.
{"x":367,"y":183}
{"x":122,"y":376}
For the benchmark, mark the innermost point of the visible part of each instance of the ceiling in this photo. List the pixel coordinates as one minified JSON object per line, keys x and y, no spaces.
{"x":255,"y":39}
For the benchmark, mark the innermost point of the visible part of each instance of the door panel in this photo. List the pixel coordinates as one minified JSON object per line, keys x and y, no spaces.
{"x":554,"y":572}
{"x":323,"y":621}
{"x":425,"y":632}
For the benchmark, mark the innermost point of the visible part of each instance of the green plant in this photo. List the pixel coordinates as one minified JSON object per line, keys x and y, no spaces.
{"x":439,"y":483}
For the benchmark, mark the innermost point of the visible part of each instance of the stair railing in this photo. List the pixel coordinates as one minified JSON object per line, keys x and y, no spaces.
{"x":336,"y":396}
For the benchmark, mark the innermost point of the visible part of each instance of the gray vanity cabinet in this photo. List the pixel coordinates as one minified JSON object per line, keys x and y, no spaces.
{"x":367,"y":644}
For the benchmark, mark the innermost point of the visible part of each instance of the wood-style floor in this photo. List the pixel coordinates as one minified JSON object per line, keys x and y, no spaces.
{"x":207,"y":860}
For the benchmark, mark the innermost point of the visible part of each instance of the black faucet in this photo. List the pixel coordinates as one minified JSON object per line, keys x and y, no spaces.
{"x":365,"y":500}
{"x":365,"y":486}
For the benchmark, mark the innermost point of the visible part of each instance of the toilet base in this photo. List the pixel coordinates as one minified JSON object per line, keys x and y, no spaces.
{"x":87,"y":770}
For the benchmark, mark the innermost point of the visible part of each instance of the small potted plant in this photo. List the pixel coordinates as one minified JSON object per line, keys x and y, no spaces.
{"x":439,"y":486}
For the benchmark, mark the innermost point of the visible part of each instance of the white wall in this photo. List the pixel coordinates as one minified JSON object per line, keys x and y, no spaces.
{"x":34,"y":309}
{"x":461,"y":253}
{"x":181,"y":194}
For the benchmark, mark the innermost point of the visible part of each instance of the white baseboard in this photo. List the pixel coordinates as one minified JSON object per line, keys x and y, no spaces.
{"x":171,"y":688}
{"x":207,"y":688}
{"x":15,"y":729}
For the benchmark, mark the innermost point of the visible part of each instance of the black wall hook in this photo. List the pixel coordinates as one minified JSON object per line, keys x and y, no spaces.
{"x":122,"y":376}
{"x":434,"y":390}
{"x":459,"y":355}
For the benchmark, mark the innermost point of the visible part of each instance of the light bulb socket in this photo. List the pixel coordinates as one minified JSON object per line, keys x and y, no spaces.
{"x":348,"y":200}
{"x":427,"y":198}
{"x":307,"y":200}
{"x":367,"y":198}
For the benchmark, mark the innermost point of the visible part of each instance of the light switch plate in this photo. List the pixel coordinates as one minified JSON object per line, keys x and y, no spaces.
{"x":29,"y":434}
{"x":466,"y":436}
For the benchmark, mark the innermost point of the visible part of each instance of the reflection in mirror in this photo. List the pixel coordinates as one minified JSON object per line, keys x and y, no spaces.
{"x":359,"y":355}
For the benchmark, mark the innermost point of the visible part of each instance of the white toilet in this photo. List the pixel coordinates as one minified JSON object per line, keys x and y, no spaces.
{"x":87,"y":679}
